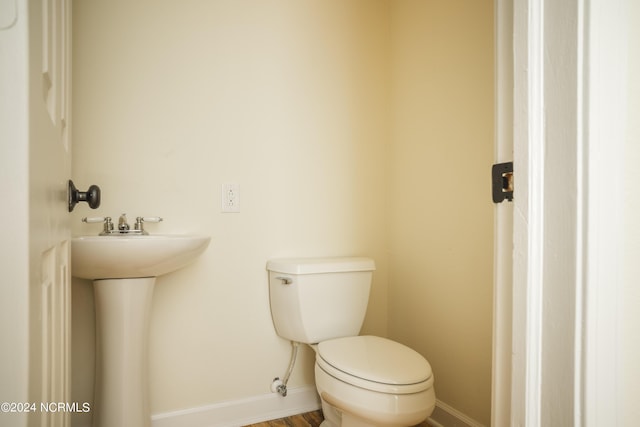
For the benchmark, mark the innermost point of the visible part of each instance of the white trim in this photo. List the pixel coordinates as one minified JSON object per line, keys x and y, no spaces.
{"x":528,"y":227}
{"x":447,"y":416}
{"x":536,"y":208}
{"x":242,"y":411}
{"x":503,"y":219}
{"x":608,"y":51}
{"x":582,"y":207}
{"x":520,"y":165}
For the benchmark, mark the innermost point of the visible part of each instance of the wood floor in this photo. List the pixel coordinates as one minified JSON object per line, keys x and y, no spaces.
{"x":310,"y":419}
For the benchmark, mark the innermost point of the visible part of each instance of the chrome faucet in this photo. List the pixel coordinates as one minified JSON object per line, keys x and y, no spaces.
{"x":123,"y":226}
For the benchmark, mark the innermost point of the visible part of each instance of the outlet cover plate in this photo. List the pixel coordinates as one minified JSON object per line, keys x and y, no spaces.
{"x":231,"y":198}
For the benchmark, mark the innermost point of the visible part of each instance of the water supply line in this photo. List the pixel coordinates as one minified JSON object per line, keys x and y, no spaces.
{"x":280,"y":386}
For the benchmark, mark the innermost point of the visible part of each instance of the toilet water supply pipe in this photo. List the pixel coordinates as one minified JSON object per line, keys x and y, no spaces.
{"x":278,"y":386}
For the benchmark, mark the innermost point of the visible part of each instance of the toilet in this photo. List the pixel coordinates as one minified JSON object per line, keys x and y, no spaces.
{"x":362,"y":380}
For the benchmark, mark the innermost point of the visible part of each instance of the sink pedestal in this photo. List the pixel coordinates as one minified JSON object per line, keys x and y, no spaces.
{"x":123,"y":309}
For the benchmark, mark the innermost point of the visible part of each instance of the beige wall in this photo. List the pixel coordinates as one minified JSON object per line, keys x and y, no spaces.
{"x":317,"y":109}
{"x":440,"y":281}
{"x":286,"y":98}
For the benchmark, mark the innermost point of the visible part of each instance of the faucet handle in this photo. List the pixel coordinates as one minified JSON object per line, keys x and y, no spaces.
{"x":142,"y":219}
{"x":93,"y":219}
{"x":108,"y":225}
{"x":148,"y":219}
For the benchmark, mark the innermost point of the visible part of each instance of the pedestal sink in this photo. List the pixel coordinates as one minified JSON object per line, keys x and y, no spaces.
{"x":124,"y":269}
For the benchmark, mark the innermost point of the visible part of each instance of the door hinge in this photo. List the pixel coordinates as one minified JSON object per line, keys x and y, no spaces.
{"x":502,"y":182}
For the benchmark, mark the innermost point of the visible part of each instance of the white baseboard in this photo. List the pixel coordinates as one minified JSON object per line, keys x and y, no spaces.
{"x":446,"y":416}
{"x":241,"y":412}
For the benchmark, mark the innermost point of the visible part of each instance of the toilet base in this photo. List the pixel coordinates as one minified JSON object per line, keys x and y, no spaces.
{"x":344,"y":405}
{"x":335,"y":418}
{"x":338,"y":413}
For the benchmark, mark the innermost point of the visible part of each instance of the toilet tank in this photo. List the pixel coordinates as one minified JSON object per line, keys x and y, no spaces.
{"x":316,"y":299}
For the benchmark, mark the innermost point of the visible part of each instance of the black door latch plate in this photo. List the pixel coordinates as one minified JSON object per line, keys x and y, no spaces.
{"x":502,"y":182}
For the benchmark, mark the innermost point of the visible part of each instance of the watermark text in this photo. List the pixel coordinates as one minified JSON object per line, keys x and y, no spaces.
{"x":21,"y":407}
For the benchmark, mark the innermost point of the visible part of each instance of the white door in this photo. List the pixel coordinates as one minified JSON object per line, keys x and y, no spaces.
{"x":50,"y":165}
{"x":36,"y":159}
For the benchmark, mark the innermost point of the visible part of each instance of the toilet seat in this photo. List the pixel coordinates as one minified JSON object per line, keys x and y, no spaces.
{"x":376,"y":364}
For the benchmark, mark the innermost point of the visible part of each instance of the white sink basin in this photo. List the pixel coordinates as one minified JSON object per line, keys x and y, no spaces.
{"x":131,"y":256}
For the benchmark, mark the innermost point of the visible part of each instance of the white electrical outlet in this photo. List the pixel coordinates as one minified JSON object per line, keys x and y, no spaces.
{"x":230,"y":197}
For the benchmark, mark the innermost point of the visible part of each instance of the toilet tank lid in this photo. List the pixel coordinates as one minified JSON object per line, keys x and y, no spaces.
{"x":320,"y":265}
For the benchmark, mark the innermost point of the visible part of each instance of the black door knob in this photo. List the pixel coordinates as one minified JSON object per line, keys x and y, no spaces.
{"x":91,"y":196}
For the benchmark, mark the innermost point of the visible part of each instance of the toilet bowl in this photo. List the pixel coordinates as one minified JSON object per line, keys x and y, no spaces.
{"x":362,"y":380}
{"x":372,"y":381}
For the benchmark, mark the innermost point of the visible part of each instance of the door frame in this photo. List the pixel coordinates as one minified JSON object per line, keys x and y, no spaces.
{"x":589,"y":267}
